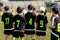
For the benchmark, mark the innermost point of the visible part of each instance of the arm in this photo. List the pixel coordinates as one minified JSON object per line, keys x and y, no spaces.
{"x":2,"y":18}
{"x":24,"y":22}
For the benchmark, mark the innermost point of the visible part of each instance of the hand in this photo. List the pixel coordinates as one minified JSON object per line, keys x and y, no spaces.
{"x":51,"y":26}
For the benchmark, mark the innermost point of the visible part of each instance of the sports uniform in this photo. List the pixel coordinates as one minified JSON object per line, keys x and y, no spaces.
{"x":19,"y":26}
{"x":56,"y":30}
{"x":55,"y":23}
{"x":30,"y":18}
{"x":7,"y":19}
{"x":41,"y":28}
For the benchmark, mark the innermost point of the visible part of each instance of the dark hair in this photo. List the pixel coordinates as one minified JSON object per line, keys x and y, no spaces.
{"x":45,"y":13}
{"x":42,"y":11}
{"x":19,"y":9}
{"x":30,"y":7}
{"x":55,"y":10}
{"x":33,"y":9}
{"x":6,"y":8}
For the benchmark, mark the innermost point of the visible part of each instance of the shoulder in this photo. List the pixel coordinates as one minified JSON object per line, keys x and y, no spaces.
{"x":3,"y":14}
{"x":14,"y":16}
{"x":10,"y":13}
{"x":26,"y":13}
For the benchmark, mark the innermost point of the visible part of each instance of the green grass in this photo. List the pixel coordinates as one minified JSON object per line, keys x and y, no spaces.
{"x":2,"y":36}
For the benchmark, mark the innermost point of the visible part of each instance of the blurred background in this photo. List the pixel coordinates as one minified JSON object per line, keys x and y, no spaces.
{"x":23,"y":3}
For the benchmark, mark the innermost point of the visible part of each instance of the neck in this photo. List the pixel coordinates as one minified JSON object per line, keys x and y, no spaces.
{"x":56,"y":15}
{"x":41,"y":13}
{"x":19,"y":13}
{"x":6,"y":11}
{"x":29,"y":10}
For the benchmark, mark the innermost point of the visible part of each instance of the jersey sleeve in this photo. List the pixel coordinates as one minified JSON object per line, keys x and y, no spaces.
{"x":36,"y":19}
{"x":2,"y":18}
{"x":55,"y":21}
{"x":11,"y":15}
{"x":13,"y":18}
{"x":46,"y":21}
{"x":23,"y":19}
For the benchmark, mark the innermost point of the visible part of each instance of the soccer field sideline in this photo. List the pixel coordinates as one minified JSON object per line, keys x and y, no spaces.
{"x":2,"y":36}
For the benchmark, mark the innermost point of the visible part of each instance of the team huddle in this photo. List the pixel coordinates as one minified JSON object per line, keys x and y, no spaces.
{"x":29,"y":25}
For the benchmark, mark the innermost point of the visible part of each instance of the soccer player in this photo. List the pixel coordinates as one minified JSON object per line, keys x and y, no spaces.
{"x":41,"y":22}
{"x":7,"y":20}
{"x":30,"y":18}
{"x":55,"y":24}
{"x":19,"y":23}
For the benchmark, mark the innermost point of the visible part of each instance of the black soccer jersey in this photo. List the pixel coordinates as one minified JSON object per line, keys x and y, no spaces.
{"x":7,"y":19}
{"x":57,"y":24}
{"x":30,"y":19}
{"x":19,"y":22}
{"x":41,"y":22}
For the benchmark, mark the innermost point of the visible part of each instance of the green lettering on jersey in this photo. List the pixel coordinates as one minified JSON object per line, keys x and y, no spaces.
{"x":41,"y":23}
{"x":30,"y":21}
{"x":58,"y":27}
{"x":6,"y":20}
{"x":18,"y":22}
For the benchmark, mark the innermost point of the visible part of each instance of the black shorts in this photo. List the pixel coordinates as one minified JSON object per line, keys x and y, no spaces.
{"x":8,"y":32}
{"x":18,"y":34}
{"x":40,"y":33}
{"x":59,"y":34}
{"x":53,"y":37}
{"x":29,"y":32}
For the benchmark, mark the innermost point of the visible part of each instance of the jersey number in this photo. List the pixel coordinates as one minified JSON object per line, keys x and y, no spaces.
{"x":30,"y":21}
{"x":41,"y":23}
{"x":18,"y":22}
{"x":6,"y":20}
{"x":58,"y":27}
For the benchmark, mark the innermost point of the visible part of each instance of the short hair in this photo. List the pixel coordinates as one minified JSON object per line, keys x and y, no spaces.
{"x":30,"y":6}
{"x":6,"y":8}
{"x":19,"y":9}
{"x":55,"y":10}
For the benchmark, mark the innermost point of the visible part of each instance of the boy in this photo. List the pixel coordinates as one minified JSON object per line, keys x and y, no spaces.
{"x":7,"y":19}
{"x":19,"y":22}
{"x":30,"y":18}
{"x":41,"y":24}
{"x":55,"y":24}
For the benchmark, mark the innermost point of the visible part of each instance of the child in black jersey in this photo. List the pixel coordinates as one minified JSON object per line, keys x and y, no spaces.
{"x":41,"y":24}
{"x":19,"y":22}
{"x":7,"y":20}
{"x":55,"y":26}
{"x":30,"y":18}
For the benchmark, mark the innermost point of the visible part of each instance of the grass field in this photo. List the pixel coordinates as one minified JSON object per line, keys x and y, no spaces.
{"x":2,"y":36}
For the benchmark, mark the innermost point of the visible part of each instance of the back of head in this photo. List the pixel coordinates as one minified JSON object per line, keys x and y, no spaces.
{"x":30,"y":6}
{"x":6,"y":8}
{"x":42,"y":9}
{"x":55,"y":10}
{"x":19,"y":9}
